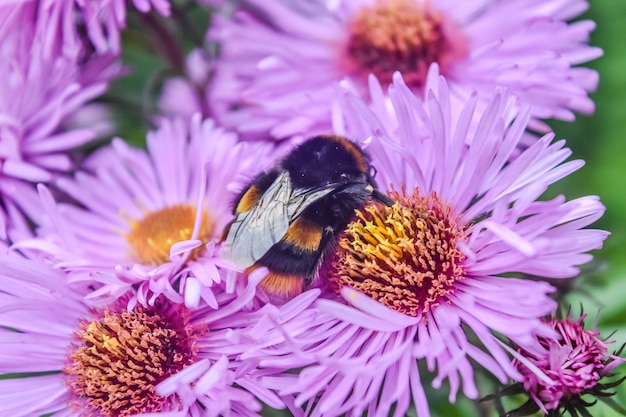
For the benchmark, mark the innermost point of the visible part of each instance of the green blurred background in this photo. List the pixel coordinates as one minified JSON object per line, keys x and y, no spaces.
{"x":598,"y":139}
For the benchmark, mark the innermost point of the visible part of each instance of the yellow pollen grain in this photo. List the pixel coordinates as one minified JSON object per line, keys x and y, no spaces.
{"x":405,"y":256}
{"x":151,"y":238}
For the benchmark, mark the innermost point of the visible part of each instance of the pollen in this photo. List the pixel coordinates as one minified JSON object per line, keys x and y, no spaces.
{"x":404,"y":256}
{"x":152,"y":237}
{"x":119,"y":359}
{"x":405,"y":36}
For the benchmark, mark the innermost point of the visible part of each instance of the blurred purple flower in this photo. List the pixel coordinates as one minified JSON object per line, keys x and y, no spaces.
{"x":104,"y":20}
{"x":162,"y":360}
{"x":46,"y":75}
{"x":154,"y":217}
{"x":426,"y":279}
{"x":184,"y":96}
{"x":280,"y":60}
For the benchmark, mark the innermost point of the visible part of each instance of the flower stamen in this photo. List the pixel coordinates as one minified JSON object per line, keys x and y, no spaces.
{"x":405,"y":36}
{"x":404,"y":256}
{"x":120,"y":358}
{"x":152,"y":237}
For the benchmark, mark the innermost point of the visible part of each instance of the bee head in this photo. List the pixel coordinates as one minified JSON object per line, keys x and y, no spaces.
{"x":324,"y":160}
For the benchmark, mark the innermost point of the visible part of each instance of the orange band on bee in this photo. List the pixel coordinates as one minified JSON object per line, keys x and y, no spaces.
{"x":282,"y":286}
{"x":249,"y":199}
{"x":354,"y":149}
{"x":305,"y":234}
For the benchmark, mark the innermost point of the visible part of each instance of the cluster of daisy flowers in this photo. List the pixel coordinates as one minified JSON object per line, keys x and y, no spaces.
{"x":118,"y":297}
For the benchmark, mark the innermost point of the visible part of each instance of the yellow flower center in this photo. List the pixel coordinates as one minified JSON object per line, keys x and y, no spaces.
{"x":120,"y":359}
{"x":402,"y":35}
{"x":404,"y":256}
{"x":152,"y":237}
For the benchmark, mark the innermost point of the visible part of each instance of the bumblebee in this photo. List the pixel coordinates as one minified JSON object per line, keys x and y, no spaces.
{"x":287,"y":219}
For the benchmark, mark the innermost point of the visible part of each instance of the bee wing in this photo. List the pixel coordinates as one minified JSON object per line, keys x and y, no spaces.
{"x":255,"y":231}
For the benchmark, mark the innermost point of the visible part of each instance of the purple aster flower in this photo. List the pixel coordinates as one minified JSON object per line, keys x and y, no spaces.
{"x":162,"y":359}
{"x":182,"y":96}
{"x":280,"y":60}
{"x":577,"y":362}
{"x":428,"y":279}
{"x":152,"y":216}
{"x":46,"y":75}
{"x":104,"y":20}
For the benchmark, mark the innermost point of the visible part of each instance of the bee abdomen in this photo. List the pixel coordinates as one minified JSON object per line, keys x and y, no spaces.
{"x":282,"y":286}
{"x":304,"y":234}
{"x":251,"y":196}
{"x":298,"y":252}
{"x":248,"y":199}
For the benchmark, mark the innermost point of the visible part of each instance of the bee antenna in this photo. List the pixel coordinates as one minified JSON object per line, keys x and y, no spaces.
{"x":382,"y":198}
